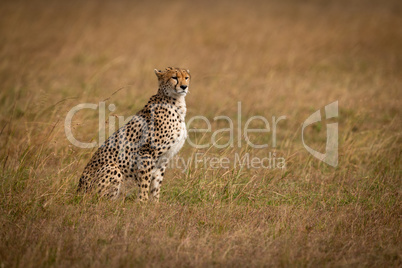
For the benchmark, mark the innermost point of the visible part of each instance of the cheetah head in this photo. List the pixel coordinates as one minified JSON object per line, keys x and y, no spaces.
{"x":173,"y":82}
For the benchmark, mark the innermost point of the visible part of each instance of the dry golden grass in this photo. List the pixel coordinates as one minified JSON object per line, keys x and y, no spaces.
{"x":277,"y":58}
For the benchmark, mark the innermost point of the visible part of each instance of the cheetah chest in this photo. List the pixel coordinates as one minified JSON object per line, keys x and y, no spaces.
{"x":178,"y":143}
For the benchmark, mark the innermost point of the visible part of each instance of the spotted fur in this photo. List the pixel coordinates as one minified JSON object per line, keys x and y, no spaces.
{"x":140,"y":150}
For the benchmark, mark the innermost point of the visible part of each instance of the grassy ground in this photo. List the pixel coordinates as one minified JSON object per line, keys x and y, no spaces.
{"x":278,"y":58}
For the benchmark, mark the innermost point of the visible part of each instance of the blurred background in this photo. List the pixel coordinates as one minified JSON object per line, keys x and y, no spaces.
{"x":277,"y":57}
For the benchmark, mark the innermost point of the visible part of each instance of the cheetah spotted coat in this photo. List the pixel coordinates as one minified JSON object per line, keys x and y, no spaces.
{"x":140,"y":150}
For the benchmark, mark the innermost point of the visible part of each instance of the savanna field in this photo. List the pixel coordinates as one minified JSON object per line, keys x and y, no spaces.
{"x":270,"y":58}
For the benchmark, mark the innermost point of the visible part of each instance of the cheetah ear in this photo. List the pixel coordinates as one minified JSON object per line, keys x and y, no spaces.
{"x":188,"y":71}
{"x":158,"y":73}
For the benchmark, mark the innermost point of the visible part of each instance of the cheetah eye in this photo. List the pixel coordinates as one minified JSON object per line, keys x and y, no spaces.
{"x":187,"y":78}
{"x":175,"y":78}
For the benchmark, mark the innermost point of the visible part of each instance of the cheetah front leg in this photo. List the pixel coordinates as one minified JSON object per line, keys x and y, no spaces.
{"x":157,"y":178}
{"x":145,"y":168}
{"x":156,"y":182}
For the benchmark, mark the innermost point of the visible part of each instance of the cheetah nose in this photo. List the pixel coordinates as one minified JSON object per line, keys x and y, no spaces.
{"x":183,"y":86}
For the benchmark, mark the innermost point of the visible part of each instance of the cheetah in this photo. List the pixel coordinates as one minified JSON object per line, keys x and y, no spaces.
{"x":138,"y":152}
